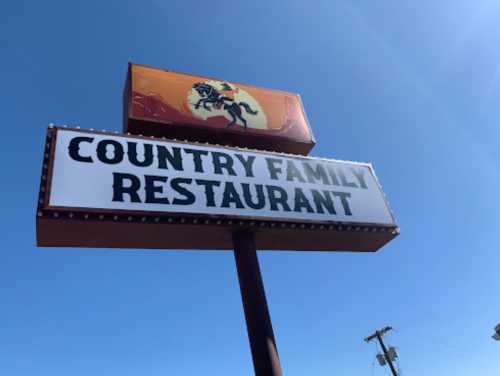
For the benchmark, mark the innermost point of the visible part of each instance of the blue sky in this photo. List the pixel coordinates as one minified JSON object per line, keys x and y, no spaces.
{"x":412,"y":87}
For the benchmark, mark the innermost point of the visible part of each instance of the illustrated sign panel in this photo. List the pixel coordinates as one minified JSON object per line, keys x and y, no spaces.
{"x":116,"y":174}
{"x":165,"y":103}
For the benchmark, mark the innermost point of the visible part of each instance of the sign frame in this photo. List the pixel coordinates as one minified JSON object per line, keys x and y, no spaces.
{"x":111,"y":228}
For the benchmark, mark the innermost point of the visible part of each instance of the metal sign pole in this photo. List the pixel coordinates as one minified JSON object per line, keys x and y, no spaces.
{"x":260,"y":330}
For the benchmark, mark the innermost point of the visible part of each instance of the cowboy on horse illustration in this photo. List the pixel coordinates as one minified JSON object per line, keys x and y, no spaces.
{"x":211,"y":96}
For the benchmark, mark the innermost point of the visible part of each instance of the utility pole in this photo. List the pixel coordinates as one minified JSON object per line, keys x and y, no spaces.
{"x":378,"y":335}
{"x":496,"y":336}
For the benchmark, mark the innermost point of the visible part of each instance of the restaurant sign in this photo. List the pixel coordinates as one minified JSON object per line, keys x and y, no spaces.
{"x":207,"y":190}
{"x":164,"y":103}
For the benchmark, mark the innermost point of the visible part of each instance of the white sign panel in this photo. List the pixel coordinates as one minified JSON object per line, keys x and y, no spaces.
{"x":100,"y":171}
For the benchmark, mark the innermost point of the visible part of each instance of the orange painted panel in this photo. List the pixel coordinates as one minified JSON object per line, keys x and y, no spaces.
{"x":176,"y":105}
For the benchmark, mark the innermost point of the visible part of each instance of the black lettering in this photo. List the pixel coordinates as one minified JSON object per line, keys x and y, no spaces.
{"x":323,"y":199}
{"x":360,"y":175}
{"x":316,"y":173}
{"x":189,"y":197}
{"x":343,"y":199}
{"x":277,"y":196}
{"x":174,"y":158}
{"x":197,"y":154}
{"x":247,"y":195}
{"x":74,"y":148}
{"x":209,"y":190}
{"x":132,"y":154}
{"x":222,"y":161}
{"x":292,"y":172}
{"x":119,"y":188}
{"x":333,"y":175}
{"x":301,"y":202}
{"x":273,"y":170}
{"x":247,"y":164}
{"x":231,"y":197}
{"x":117,"y":150}
{"x":344,"y":181}
{"x":151,"y":189}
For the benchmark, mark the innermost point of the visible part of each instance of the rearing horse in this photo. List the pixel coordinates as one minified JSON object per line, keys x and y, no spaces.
{"x":210,"y":95}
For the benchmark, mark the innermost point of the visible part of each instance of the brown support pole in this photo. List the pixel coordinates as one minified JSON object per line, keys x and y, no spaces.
{"x":260,"y":329}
